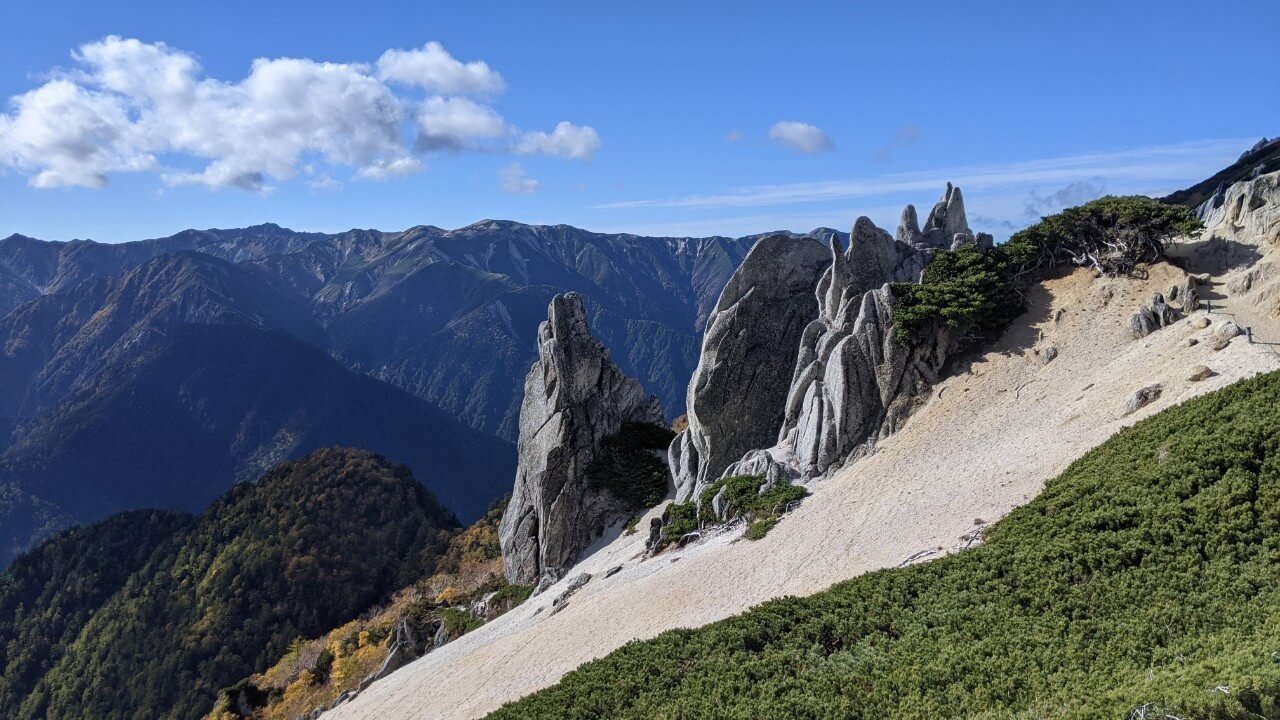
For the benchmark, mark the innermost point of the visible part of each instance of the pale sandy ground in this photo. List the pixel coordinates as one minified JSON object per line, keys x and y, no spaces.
{"x":986,"y":442}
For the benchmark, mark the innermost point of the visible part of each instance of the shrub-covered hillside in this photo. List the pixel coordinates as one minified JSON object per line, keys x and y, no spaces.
{"x":466,"y":590}
{"x":1144,"y":575}
{"x":978,"y":292}
{"x":308,"y":546}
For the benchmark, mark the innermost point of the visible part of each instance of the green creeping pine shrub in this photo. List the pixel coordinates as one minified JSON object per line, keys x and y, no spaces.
{"x":678,"y":520}
{"x":743,"y":497}
{"x":1111,"y":234}
{"x":509,"y":596}
{"x":1145,"y":574}
{"x":978,"y":292}
{"x":760,"y":528}
{"x":458,"y":622}
{"x":967,"y":289}
{"x":627,"y":467}
{"x":1246,"y":703}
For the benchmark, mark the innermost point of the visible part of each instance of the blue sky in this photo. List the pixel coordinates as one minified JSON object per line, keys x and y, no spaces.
{"x":655,"y":117}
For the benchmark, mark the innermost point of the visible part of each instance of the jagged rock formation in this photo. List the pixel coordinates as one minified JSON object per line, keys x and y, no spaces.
{"x":1248,"y":211}
{"x":1148,"y":319}
{"x":947,"y":219}
{"x":574,"y":397}
{"x":1262,"y":158}
{"x":1166,"y":308}
{"x":947,"y":225}
{"x":738,"y":391}
{"x":855,"y":382}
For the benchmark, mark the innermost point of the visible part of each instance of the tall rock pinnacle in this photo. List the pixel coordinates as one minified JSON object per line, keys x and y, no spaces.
{"x":574,"y":397}
{"x":738,"y":391}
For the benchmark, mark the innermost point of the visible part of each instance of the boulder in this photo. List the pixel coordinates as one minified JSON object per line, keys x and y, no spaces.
{"x":1228,"y":330}
{"x":764,"y":464}
{"x":1199,"y":372}
{"x":1184,"y":297}
{"x":739,"y":388}
{"x":1200,"y":323}
{"x":1142,"y":397}
{"x":1149,"y":319}
{"x":574,"y":397}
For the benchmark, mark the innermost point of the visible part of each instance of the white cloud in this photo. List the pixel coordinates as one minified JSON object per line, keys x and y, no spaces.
{"x":733,"y":136}
{"x":515,"y":181}
{"x":385,"y":170}
{"x":567,"y":141}
{"x":801,"y":137}
{"x":130,"y":106}
{"x":432,"y":67}
{"x":456,"y":123}
{"x":63,"y":134}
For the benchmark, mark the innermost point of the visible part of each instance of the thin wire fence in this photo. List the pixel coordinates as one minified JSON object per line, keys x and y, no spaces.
{"x":1251,"y":337}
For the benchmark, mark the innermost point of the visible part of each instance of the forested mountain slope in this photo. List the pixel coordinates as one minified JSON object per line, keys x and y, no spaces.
{"x":148,"y":615}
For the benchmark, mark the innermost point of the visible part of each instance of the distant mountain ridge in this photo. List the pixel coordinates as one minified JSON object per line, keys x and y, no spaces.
{"x":108,"y":354}
{"x":448,"y":315}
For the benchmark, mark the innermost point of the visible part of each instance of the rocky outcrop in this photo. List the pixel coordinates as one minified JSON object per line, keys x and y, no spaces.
{"x":1148,"y":319}
{"x":855,"y":381}
{"x":947,"y":225}
{"x":947,"y":220}
{"x":1166,"y":308}
{"x":574,"y":397}
{"x":738,"y":391}
{"x":1247,"y":210}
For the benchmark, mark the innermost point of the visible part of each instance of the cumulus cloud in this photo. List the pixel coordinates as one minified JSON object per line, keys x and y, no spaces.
{"x":567,"y":141}
{"x":1036,"y":205}
{"x":130,"y":106}
{"x":801,"y":137}
{"x":515,"y":181}
{"x":456,"y":123}
{"x":432,"y":67}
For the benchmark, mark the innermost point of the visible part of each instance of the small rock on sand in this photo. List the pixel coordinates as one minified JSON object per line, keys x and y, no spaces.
{"x":1200,"y":323}
{"x":1142,"y":398}
{"x":1199,"y":372}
